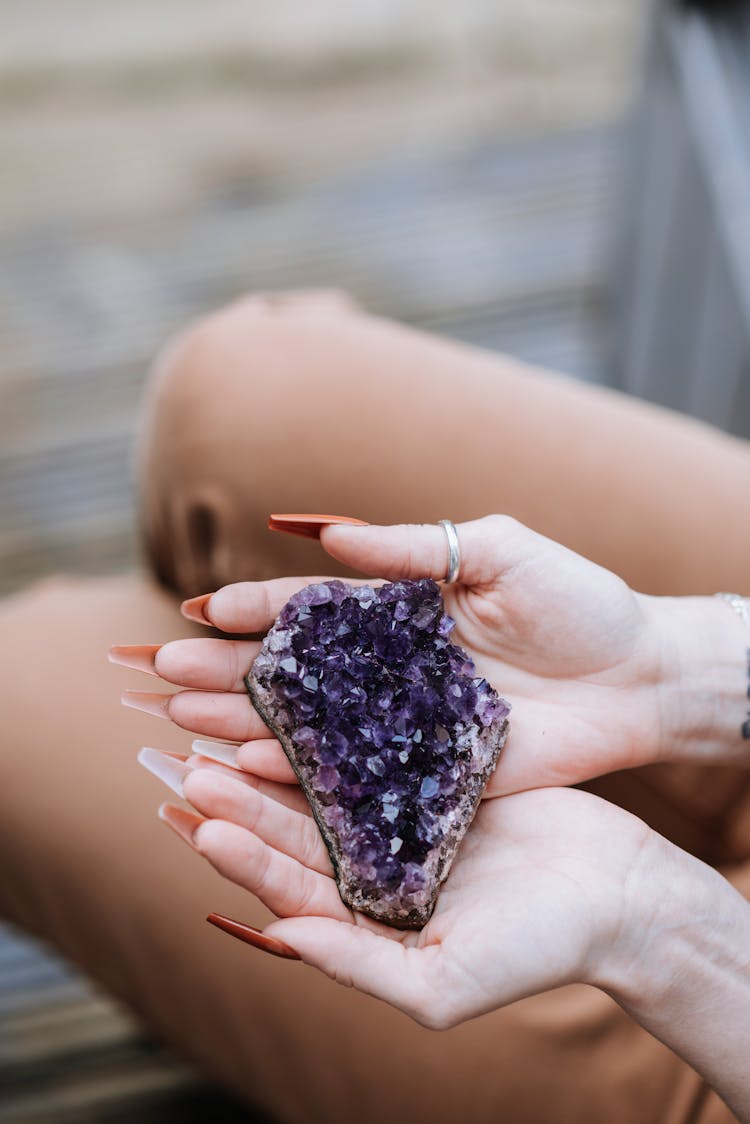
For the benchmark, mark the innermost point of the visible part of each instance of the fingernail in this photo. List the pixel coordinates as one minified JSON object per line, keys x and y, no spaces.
{"x":149,"y":703}
{"x":217,"y":751}
{"x":138,"y":657}
{"x":166,"y":768}
{"x":182,"y":821}
{"x":194,"y":606}
{"x":309,"y":526}
{"x":250,"y":935}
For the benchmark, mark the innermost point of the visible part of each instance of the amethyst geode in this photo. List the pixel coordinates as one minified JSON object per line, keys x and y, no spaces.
{"x":390,"y":731}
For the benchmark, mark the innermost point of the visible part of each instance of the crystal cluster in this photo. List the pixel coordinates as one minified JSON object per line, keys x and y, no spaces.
{"x":390,"y":731}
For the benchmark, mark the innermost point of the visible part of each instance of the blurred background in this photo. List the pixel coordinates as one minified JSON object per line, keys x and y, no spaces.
{"x":563,"y":180}
{"x":448,"y":164}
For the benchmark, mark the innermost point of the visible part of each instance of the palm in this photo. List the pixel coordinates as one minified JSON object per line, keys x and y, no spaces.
{"x":530,"y":894}
{"x":565,"y":641}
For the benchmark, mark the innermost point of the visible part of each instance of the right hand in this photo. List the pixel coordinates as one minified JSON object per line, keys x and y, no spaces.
{"x":575,"y":650}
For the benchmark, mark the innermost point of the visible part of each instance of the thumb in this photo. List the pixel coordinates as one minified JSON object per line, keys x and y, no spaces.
{"x":360,"y":957}
{"x":488,"y":548}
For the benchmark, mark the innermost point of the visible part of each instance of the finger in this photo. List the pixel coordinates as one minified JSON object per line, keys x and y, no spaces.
{"x":291,"y":796}
{"x":229,"y":717}
{"x":284,"y":885}
{"x":263,"y":758}
{"x":251,"y":606}
{"x":390,"y":967}
{"x":206,"y":665}
{"x":221,"y":797}
{"x":488,"y":547}
{"x":266,"y":758}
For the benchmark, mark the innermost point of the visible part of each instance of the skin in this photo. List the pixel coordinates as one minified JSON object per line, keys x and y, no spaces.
{"x":567,"y":642}
{"x":551,"y":886}
{"x":285,"y":402}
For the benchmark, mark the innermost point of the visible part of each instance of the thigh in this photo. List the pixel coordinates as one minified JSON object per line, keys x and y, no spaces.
{"x":294,"y":404}
{"x":88,"y":865}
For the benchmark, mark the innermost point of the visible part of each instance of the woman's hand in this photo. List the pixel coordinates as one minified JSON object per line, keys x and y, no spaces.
{"x":549,"y":887}
{"x":533,"y":901}
{"x":600,"y":678}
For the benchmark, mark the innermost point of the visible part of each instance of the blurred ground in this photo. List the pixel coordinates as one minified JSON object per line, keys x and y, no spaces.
{"x":451,"y":165}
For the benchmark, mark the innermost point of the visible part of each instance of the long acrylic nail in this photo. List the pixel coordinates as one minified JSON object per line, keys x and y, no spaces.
{"x":166,"y":768}
{"x":217,"y":751}
{"x":250,"y":935}
{"x":138,"y":657}
{"x":194,"y":607}
{"x":309,"y":526}
{"x":182,"y":821}
{"x":147,"y":701}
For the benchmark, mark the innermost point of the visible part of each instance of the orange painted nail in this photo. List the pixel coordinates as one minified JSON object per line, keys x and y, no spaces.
{"x":138,"y":657}
{"x":250,"y":935}
{"x":309,"y":526}
{"x":194,"y":608}
{"x":148,"y":702}
{"x":182,"y":821}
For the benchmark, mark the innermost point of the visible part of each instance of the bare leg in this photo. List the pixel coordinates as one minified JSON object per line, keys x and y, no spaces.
{"x":87,"y":864}
{"x":305,"y":404}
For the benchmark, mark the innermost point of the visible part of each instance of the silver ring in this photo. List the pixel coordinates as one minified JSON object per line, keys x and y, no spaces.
{"x":454,"y":550}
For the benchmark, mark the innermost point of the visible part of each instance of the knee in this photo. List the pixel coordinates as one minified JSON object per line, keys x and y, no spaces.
{"x":244,"y":327}
{"x":222,"y":396}
{"x":229,"y":344}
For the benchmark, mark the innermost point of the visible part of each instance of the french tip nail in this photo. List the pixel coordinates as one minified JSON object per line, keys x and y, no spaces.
{"x":147,"y":701}
{"x":137,"y":657}
{"x":216,"y":751}
{"x":310,"y":526}
{"x":194,"y":608}
{"x":169,"y":771}
{"x":182,"y":821}
{"x":252,"y":936}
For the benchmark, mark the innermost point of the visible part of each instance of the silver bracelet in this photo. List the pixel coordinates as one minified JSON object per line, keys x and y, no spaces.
{"x":739,"y":604}
{"x":741,"y":607}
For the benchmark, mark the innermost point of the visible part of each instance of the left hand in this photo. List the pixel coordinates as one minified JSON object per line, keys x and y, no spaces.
{"x":533,"y":901}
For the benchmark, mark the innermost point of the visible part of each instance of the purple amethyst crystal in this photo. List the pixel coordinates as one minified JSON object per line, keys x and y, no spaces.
{"x":390,"y":731}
